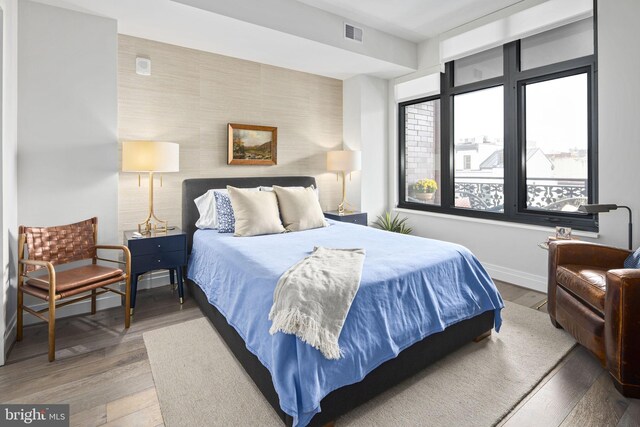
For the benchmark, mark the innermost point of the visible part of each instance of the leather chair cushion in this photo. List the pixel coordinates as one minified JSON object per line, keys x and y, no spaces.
{"x":587,"y":283}
{"x":78,"y":277}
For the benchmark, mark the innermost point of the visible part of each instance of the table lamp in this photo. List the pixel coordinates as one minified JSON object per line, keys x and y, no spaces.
{"x":344,"y":161}
{"x":594,"y":209}
{"x":150,"y":157}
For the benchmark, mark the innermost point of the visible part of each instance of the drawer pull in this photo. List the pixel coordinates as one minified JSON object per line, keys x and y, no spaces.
{"x":158,"y":245}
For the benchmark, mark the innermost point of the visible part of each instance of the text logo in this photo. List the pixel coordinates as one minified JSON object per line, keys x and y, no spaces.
{"x":34,"y":415}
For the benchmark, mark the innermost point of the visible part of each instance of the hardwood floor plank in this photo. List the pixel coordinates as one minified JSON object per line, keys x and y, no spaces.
{"x":550,"y":405}
{"x":94,"y":390}
{"x":149,"y":416}
{"x":153,"y":304}
{"x":69,"y":345}
{"x":601,"y":406}
{"x":508,"y":291}
{"x":130,"y":404}
{"x":91,"y":417}
{"x":66,"y":376}
{"x":631,"y":417}
{"x":35,"y":368}
{"x":531,"y":299}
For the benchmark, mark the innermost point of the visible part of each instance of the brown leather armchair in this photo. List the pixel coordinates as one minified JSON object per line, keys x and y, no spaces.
{"x":597,"y":301}
{"x":47,"y":247}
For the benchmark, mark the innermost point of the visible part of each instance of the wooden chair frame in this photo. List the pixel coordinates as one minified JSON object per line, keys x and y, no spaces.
{"x":51,"y":282}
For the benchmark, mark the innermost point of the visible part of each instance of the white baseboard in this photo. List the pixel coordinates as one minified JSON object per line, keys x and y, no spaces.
{"x":103,"y":302}
{"x":516,"y":277}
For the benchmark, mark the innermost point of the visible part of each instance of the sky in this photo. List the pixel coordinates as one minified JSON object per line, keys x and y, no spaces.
{"x":252,"y":137}
{"x":557,"y":118}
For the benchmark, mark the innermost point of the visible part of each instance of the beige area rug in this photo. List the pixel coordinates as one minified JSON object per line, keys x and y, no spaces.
{"x":200,"y":383}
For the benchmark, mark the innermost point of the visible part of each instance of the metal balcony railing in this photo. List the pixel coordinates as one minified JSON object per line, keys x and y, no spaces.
{"x":542,"y":193}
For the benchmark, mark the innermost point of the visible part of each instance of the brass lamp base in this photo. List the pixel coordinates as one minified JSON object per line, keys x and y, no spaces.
{"x":345,"y":208}
{"x":344,"y":205}
{"x":152,"y":222}
{"x":148,"y":226}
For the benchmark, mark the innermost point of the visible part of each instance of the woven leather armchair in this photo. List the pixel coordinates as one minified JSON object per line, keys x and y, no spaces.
{"x":51,"y":246}
{"x":596,"y":300}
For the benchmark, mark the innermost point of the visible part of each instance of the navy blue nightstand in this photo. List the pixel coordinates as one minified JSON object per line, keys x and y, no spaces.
{"x":157,"y":251}
{"x":352,"y":217}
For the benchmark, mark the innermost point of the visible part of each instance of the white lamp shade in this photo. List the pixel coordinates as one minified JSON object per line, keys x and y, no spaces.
{"x":344,"y":161}
{"x":150,"y":156}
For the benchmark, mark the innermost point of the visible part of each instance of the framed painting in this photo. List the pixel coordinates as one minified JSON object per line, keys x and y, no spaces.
{"x":252,"y":145}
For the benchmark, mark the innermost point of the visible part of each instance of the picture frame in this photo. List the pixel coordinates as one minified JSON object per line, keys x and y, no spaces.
{"x":252,"y":144}
{"x":563,"y":233}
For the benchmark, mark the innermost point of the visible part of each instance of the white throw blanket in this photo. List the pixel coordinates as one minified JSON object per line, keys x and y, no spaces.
{"x":312,"y":298}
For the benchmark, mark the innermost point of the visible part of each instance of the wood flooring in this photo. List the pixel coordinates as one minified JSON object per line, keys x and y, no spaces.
{"x":104,"y":373}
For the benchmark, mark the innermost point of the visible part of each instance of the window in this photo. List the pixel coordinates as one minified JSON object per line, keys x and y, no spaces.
{"x":422,"y":152}
{"x":467,"y":161}
{"x":557,"y":143}
{"x":511,"y":136}
{"x":478,"y":133}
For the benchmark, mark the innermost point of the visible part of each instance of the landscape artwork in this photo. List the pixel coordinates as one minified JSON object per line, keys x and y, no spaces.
{"x":252,"y":145}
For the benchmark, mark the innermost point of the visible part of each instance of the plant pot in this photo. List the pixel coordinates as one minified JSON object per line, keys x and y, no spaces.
{"x":425,"y":196}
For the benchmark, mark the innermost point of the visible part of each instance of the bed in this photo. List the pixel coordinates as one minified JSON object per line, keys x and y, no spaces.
{"x":419,"y":300}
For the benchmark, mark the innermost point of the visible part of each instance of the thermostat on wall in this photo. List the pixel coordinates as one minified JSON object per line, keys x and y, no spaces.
{"x":143,"y":66}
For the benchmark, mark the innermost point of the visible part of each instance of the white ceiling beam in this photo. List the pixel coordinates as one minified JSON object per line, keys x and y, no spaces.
{"x":307,"y":22}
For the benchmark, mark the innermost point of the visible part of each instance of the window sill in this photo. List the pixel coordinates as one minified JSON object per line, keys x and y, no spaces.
{"x":551,"y":230}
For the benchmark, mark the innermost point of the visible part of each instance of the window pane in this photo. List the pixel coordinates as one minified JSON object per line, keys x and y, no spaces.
{"x":557,"y":129}
{"x":481,"y":66}
{"x":478,"y":145}
{"x":422,"y":152}
{"x":560,"y":44}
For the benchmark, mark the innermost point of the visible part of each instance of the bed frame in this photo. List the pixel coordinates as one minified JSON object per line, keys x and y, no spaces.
{"x":410,"y":361}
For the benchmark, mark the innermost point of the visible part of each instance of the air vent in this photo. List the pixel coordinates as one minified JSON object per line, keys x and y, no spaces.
{"x":352,"y":33}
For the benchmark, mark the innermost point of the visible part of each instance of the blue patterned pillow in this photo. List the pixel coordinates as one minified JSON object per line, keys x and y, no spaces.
{"x":633,"y":260}
{"x":224,"y":212}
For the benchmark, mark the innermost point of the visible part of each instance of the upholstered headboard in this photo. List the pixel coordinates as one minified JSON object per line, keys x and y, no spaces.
{"x":192,"y":188}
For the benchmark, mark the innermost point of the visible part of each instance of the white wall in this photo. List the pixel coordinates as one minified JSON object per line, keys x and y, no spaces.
{"x":8,"y":220}
{"x":365,"y":100}
{"x":67,"y":124}
{"x":352,"y":132}
{"x":618,"y":110}
{"x":2,"y":295}
{"x":67,"y":120}
{"x":374,"y":176}
{"x":510,"y":251}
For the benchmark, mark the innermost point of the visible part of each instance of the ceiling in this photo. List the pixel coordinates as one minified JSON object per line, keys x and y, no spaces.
{"x":414,"y":20}
{"x":175,"y":23}
{"x":282,"y":32}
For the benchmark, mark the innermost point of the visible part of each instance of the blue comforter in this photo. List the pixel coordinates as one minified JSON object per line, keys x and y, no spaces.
{"x":411,"y":287}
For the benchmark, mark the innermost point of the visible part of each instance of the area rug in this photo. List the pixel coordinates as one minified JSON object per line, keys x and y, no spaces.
{"x":199,"y":382}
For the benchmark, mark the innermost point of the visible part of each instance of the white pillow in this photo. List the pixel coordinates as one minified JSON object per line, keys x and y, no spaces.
{"x":256,"y":212}
{"x":263,"y":188}
{"x":206,"y":205}
{"x":299,"y":208}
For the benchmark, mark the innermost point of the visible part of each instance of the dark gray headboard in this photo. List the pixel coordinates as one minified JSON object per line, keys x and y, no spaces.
{"x":192,"y":188}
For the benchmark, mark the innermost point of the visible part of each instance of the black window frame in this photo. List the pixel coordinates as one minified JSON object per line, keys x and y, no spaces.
{"x":513,"y":81}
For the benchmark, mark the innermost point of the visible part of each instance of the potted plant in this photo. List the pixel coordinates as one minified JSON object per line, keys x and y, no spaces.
{"x":395,"y":224}
{"x":425,"y":189}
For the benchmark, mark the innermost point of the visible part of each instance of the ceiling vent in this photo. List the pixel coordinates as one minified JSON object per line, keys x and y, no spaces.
{"x":352,"y":33}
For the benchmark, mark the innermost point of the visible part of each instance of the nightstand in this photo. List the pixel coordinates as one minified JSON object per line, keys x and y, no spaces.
{"x":157,"y":251}
{"x":352,"y":217}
